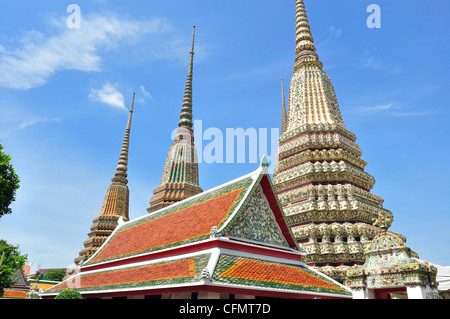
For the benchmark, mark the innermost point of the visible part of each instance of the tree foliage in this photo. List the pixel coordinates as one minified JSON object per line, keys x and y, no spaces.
{"x":9,"y":183}
{"x":55,"y":274}
{"x":11,"y":261}
{"x":69,"y":294}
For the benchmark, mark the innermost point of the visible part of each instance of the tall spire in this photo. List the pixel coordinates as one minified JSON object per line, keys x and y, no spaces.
{"x":180,"y":176}
{"x":319,"y":177}
{"x":312,"y":100}
{"x":305,"y":50}
{"x":115,"y":205}
{"x":122,"y":167}
{"x":303,"y":38}
{"x":186,"y":107}
{"x":284,"y":118}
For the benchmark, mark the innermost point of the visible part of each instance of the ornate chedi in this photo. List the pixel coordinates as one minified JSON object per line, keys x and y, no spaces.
{"x":320,"y":177}
{"x":180,"y":175}
{"x":115,"y":204}
{"x":391,"y":267}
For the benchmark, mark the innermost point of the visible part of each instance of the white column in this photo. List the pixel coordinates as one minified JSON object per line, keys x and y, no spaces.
{"x":363,"y":293}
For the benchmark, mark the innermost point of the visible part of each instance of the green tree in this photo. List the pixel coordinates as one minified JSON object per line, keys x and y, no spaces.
{"x":10,"y":261}
{"x":55,"y":274}
{"x":69,"y":294}
{"x":9,"y":183}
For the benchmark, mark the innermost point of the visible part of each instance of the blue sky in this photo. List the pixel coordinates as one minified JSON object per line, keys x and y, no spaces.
{"x":64,"y":96}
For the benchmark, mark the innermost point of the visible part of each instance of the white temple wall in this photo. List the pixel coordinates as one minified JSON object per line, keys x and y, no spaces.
{"x":420,"y":292}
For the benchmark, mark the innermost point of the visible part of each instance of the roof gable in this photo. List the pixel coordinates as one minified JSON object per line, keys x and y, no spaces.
{"x":19,"y":278}
{"x":256,"y":221}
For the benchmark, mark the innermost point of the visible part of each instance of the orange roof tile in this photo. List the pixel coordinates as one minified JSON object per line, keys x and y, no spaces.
{"x":239,"y":270}
{"x":14,"y":294}
{"x":174,"y":227}
{"x":164,"y":271}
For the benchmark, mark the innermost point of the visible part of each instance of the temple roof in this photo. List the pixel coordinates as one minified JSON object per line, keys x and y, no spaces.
{"x":188,"y":221}
{"x":232,"y":271}
{"x":231,"y":237}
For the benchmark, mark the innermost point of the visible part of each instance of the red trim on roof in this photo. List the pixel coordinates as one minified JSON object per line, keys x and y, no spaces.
{"x":209,"y":288}
{"x":168,"y":270}
{"x":232,"y":244}
{"x":271,"y":198}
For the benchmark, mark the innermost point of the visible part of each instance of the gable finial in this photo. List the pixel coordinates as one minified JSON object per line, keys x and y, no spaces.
{"x":264,"y":164}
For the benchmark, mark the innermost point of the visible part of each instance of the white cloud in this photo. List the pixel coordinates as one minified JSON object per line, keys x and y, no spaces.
{"x":258,"y":72}
{"x":332,"y":34}
{"x":376,"y":108}
{"x":108,"y":94}
{"x":413,"y":113}
{"x":371,"y":63}
{"x":392,"y":110}
{"x":39,"y":55}
{"x":144,"y":92}
{"x":28,"y":123}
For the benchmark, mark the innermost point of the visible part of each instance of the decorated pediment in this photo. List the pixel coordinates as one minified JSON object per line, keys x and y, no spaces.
{"x":257,"y":222}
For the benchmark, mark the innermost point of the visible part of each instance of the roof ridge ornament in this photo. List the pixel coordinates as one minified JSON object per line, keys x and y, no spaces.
{"x":264,"y":165}
{"x":214,"y":232}
{"x":383,"y":221}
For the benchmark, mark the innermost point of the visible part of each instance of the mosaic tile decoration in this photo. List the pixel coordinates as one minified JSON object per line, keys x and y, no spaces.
{"x":235,"y":270}
{"x":390,"y":263}
{"x":257,"y":223}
